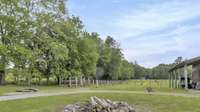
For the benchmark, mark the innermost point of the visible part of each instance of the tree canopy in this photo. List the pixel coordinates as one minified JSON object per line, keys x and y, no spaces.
{"x":38,"y":38}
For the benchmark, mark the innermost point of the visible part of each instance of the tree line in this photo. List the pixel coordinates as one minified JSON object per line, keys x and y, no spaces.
{"x":160,"y":71}
{"x":40,"y":39}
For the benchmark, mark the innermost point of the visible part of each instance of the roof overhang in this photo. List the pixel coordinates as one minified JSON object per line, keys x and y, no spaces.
{"x":193,"y":61}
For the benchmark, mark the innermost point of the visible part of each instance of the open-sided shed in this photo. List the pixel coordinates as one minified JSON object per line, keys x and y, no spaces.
{"x":175,"y":74}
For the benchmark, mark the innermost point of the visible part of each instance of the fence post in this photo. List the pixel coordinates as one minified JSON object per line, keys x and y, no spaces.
{"x":93,"y":81}
{"x":81,"y":81}
{"x":84,"y":82}
{"x":70,"y":82}
{"x":76,"y":81}
{"x":88,"y":81}
{"x":97,"y":83}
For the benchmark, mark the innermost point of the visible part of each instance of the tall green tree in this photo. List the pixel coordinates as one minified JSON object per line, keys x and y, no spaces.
{"x":39,"y":37}
{"x":88,"y":56}
{"x":111,"y":58}
{"x":127,"y":70}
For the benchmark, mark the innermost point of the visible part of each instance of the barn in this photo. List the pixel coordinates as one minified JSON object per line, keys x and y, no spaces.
{"x":179,"y":74}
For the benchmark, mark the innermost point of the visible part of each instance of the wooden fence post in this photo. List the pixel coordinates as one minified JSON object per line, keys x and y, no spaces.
{"x":93,"y":81}
{"x":88,"y":81}
{"x":76,"y":80}
{"x":97,"y":83}
{"x":84,"y":82}
{"x":70,"y":82}
{"x":81,"y":81}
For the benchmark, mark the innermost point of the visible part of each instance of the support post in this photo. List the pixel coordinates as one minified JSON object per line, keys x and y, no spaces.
{"x":174,"y":73}
{"x":186,"y":77}
{"x":179,"y":78}
{"x":170,"y":80}
{"x":175,"y":77}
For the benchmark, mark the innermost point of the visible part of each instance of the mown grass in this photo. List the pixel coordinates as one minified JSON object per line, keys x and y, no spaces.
{"x":132,"y":85}
{"x":155,"y":103}
{"x":12,"y":88}
{"x":7,"y":89}
{"x":141,"y":85}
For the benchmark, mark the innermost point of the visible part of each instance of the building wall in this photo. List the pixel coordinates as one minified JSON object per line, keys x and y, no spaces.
{"x":196,"y":73}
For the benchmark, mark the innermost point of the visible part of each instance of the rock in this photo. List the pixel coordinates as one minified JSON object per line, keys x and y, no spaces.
{"x":99,"y":105}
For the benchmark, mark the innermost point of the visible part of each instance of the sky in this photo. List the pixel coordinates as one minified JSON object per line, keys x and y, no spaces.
{"x":150,"y":32}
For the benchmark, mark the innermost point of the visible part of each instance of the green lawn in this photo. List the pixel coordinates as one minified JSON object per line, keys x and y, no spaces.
{"x":57,"y":103}
{"x":7,"y":89}
{"x":155,"y":103}
{"x":133,"y":85}
{"x":141,"y":85}
{"x":12,"y":88}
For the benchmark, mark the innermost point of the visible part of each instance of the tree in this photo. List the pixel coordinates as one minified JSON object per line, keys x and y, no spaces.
{"x":111,"y":58}
{"x":88,"y":56}
{"x":139,"y":71}
{"x":127,"y":70}
{"x":161,"y":71}
{"x":39,"y":39}
{"x":178,"y":60}
{"x":14,"y":29}
{"x":48,"y":38}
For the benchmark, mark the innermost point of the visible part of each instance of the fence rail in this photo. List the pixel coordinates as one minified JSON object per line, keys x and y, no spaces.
{"x":81,"y":82}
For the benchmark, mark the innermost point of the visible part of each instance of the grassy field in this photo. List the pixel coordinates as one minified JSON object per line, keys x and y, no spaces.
{"x":141,"y":85}
{"x":47,"y":89}
{"x":154,"y":103}
{"x":12,"y":88}
{"x":133,"y":85}
{"x":145,"y":102}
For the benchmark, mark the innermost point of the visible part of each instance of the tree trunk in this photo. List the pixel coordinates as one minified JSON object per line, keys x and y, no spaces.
{"x":39,"y":80}
{"x":2,"y":71}
{"x":59,"y":80}
{"x":47,"y":80}
{"x":2,"y":77}
{"x":18,"y":80}
{"x":28,"y":80}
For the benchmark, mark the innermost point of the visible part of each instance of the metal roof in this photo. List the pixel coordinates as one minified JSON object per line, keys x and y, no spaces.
{"x":192,"y":61}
